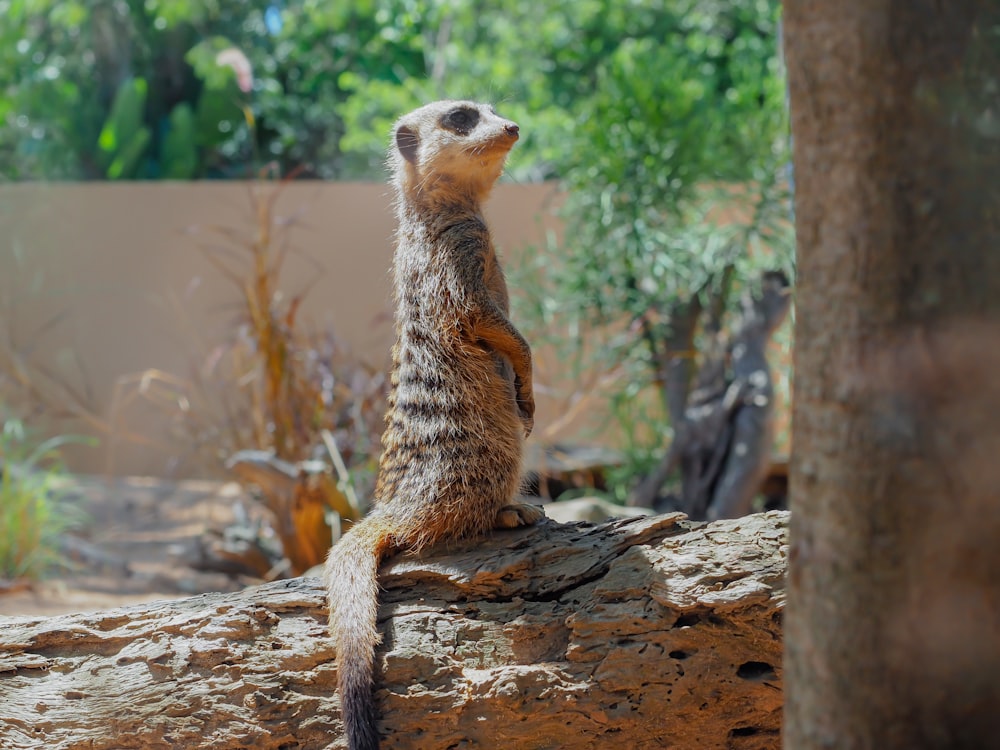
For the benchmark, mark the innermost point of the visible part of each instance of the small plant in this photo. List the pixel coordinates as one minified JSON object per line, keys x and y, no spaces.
{"x":274,"y":394}
{"x":33,"y":510}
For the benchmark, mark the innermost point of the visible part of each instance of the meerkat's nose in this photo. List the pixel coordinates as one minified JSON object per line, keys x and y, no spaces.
{"x":511,"y":129}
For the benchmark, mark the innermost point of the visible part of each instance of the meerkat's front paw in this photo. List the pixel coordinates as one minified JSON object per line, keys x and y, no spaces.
{"x":526,"y":411}
{"x":527,"y":423}
{"x":525,"y":405}
{"x":518,"y":514}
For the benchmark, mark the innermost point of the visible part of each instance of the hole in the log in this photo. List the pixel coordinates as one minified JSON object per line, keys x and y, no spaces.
{"x":743,"y":732}
{"x":679,"y":655}
{"x":685,"y":621}
{"x":757,"y":671}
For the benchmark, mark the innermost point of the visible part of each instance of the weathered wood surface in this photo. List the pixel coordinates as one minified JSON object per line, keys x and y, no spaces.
{"x":650,"y":632}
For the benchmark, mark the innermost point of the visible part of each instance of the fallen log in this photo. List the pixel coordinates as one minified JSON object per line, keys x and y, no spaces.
{"x":648,"y":632}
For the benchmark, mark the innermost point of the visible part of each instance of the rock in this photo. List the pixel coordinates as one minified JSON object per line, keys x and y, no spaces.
{"x":593,"y":509}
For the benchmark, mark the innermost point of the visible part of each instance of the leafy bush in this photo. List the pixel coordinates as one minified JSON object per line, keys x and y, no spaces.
{"x":677,"y":199}
{"x":177,"y":89}
{"x":174,"y":88}
{"x":33,"y":510}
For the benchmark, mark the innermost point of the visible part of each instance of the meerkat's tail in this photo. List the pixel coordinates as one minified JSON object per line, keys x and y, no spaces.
{"x":352,"y":585}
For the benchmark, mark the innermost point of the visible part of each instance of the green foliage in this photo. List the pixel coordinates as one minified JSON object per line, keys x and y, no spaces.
{"x":66,"y":67}
{"x":103,"y":91}
{"x":124,"y":138}
{"x":33,"y":511}
{"x":180,"y":152}
{"x":329,"y":79}
{"x":675,"y":166}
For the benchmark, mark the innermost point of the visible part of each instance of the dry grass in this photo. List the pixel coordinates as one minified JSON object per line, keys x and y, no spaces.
{"x":273,"y":383}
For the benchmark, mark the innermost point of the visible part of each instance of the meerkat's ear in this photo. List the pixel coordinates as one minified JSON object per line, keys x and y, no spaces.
{"x":407,"y":143}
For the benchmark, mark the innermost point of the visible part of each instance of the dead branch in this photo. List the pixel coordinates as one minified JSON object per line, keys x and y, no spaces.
{"x":722,"y":443}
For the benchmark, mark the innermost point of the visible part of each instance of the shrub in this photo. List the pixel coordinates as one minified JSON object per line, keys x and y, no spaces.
{"x":34,"y":511}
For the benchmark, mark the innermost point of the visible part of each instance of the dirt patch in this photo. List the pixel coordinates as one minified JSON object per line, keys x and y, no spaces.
{"x":135,"y":544}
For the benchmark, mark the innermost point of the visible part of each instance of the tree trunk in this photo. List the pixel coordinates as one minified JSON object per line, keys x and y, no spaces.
{"x":651,"y":632}
{"x":722,"y":439}
{"x":895,"y":578}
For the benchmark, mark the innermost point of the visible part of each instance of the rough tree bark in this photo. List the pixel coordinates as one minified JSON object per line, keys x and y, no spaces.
{"x":894,"y":592}
{"x":650,"y":632}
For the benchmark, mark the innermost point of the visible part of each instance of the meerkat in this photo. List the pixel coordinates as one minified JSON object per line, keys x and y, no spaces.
{"x":460,"y":402}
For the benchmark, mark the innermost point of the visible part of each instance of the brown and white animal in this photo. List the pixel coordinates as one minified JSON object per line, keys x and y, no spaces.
{"x":461,"y":399}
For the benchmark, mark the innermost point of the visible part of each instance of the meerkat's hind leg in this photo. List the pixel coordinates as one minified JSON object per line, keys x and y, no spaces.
{"x":518,"y":514}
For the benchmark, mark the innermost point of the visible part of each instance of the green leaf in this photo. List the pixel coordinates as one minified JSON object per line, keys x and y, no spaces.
{"x":217,"y":116}
{"x":124,"y":122}
{"x":123,"y":166}
{"x":179,"y":153}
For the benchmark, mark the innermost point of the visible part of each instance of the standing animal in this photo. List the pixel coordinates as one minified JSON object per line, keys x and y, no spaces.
{"x":460,"y":402}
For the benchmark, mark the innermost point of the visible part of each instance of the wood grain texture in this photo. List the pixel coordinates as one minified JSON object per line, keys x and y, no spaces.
{"x":655,"y":632}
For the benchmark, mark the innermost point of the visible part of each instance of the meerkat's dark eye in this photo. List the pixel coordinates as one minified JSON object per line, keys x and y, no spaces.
{"x":461,"y":120}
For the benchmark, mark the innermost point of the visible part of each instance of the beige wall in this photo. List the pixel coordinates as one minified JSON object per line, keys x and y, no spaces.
{"x":101,"y":280}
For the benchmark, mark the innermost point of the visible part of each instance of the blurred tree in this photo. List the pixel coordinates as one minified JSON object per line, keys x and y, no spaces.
{"x":891,"y":627}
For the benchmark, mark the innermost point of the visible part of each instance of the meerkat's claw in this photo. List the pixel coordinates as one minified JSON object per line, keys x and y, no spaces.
{"x":518,"y":514}
{"x":527,"y":423}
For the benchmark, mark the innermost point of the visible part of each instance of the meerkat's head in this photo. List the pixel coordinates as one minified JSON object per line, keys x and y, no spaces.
{"x":451,"y":146}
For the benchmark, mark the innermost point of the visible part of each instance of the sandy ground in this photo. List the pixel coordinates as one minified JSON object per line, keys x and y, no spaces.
{"x":136,"y":538}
